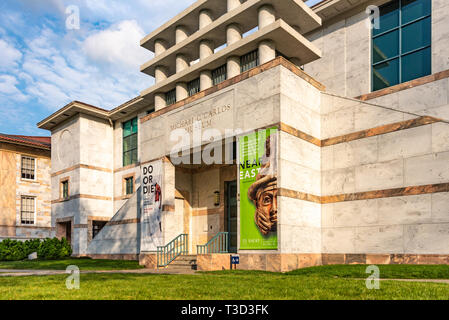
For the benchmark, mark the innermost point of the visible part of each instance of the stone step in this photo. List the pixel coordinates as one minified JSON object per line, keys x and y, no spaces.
{"x":172,"y":267}
{"x":183,"y":263}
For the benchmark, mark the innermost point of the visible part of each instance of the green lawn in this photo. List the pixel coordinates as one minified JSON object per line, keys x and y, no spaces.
{"x":83,"y":263}
{"x":330,"y":282}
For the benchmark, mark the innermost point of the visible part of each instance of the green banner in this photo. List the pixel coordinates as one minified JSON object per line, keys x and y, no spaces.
{"x":258,"y":190}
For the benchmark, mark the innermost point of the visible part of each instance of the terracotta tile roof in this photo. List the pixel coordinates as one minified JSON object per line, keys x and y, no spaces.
{"x":41,"y":142}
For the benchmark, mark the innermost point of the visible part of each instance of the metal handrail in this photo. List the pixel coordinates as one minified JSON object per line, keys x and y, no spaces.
{"x":218,"y":244}
{"x":178,"y":246}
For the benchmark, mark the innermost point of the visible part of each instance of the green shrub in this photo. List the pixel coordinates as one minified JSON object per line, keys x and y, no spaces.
{"x":32,"y":245}
{"x":52,"y":249}
{"x":12,"y":250}
{"x":49,"y":249}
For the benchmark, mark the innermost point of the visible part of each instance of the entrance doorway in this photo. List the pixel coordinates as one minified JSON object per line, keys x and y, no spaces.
{"x":231,"y":211}
{"x":65,"y":231}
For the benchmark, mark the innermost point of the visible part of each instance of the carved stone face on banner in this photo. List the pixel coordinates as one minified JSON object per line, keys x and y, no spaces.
{"x":263,"y":192}
{"x":266,"y":207}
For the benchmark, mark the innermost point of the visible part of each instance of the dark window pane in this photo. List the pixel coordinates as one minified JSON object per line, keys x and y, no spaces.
{"x":386,"y":46}
{"x":130,"y":127}
{"x":134,"y":125}
{"x":219,"y":75}
{"x":415,"y":9}
{"x":134,"y":156}
{"x":249,"y":60}
{"x":416,"y":35}
{"x":170,"y":97}
{"x":127,"y":129}
{"x":127,"y":159}
{"x":193,"y":87}
{"x":129,"y":186}
{"x":416,"y":65}
{"x":126,"y":144}
{"x":389,"y":18}
{"x":386,"y":74}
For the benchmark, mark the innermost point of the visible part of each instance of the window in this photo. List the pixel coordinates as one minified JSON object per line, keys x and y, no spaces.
{"x":130,"y":142}
{"x":193,"y":87}
{"x":27,"y":210}
{"x":28,"y":168}
{"x":96,"y":227}
{"x":65,"y":189}
{"x":401,"y":48}
{"x":219,"y":75}
{"x":170,"y":97}
{"x":129,"y":185}
{"x":249,"y":60}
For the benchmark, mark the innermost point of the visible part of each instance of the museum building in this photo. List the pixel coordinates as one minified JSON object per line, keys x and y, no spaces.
{"x":327,"y":127}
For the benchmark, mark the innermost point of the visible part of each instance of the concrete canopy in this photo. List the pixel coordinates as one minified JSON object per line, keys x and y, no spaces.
{"x":294,"y":12}
{"x":288,"y":41}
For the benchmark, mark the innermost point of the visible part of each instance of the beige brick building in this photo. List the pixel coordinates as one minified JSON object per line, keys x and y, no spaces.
{"x":362,"y":151}
{"x":25,"y":203}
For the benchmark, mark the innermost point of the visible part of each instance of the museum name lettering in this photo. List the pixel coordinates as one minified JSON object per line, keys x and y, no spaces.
{"x":204,"y":117}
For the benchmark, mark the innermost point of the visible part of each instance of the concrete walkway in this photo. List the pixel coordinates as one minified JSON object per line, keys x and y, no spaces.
{"x":23,"y":273}
{"x":419,"y":280}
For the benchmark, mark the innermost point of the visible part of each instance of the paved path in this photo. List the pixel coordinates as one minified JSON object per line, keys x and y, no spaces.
{"x":419,"y":280}
{"x":22,"y":273}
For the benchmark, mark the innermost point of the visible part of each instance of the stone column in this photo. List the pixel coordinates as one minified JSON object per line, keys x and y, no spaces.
{"x":267,"y":51}
{"x":181,"y":62}
{"x":181,"y":91}
{"x":160,"y":46}
{"x":159,"y":101}
{"x":181,"y":87}
{"x":267,"y":16}
{"x":232,"y":4}
{"x":205,"y":18}
{"x":160,"y":74}
{"x":206,"y":49}
{"x":181,"y":34}
{"x":205,"y":80}
{"x":233,"y":34}
{"x":233,"y":66}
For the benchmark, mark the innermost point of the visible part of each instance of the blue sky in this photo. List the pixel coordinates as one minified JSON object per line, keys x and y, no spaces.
{"x":44,"y":65}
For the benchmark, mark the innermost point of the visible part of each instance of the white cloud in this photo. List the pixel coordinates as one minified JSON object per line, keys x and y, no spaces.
{"x":8,"y":88}
{"x":118,"y":45}
{"x":101,"y":69}
{"x":9,"y":56}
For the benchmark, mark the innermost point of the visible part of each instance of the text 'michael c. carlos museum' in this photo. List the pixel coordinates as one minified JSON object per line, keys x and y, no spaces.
{"x":292,"y":135}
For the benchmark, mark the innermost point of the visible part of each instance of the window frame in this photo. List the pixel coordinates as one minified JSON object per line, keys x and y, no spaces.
{"x":63,"y":181}
{"x":400,"y":55}
{"x":21,"y":168}
{"x":136,"y":149}
{"x":125,"y":187}
{"x":22,"y":211}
